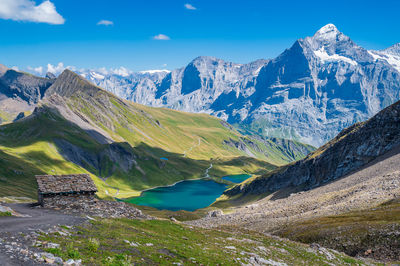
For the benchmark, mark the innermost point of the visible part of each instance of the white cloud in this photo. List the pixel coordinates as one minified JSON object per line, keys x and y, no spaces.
{"x":190,"y":7}
{"x":27,"y":10}
{"x":15,"y":68}
{"x":38,"y":70}
{"x":103,"y":71}
{"x":105,"y":22}
{"x":57,"y":69}
{"x":161,"y":37}
{"x":154,"y":71}
{"x":122,"y":71}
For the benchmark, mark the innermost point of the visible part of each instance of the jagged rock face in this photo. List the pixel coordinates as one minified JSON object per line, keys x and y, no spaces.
{"x":19,"y":93}
{"x":68,"y":84}
{"x":348,"y":151}
{"x":319,"y":86}
{"x":23,"y":86}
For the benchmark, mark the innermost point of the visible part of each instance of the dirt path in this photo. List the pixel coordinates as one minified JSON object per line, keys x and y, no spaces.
{"x":15,"y":227}
{"x":40,"y":218}
{"x":116,"y":193}
{"x":191,"y":148}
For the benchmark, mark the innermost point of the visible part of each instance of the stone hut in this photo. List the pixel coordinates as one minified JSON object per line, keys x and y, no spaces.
{"x":54,"y":190}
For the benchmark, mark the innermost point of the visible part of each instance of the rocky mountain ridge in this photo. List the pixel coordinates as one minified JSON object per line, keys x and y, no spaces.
{"x":19,"y":92}
{"x":313,"y":90}
{"x":352,"y":148}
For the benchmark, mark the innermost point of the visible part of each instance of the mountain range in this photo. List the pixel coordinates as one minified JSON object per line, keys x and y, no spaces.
{"x":69,"y":125}
{"x":310,"y":92}
{"x":345,"y":195}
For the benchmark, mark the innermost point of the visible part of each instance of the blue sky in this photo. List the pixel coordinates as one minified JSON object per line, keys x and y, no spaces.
{"x":36,"y":32}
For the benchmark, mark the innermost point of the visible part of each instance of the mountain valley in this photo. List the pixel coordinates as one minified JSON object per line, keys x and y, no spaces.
{"x":293,"y":160}
{"x":78,"y":127}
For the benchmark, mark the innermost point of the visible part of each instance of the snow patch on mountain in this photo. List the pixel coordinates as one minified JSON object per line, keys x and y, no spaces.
{"x":325,"y":57}
{"x":390,"y":58}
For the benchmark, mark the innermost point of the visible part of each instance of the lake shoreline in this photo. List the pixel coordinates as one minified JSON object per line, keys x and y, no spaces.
{"x":193,"y":179}
{"x":189,"y":194}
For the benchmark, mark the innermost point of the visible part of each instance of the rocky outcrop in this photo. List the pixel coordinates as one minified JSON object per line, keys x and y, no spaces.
{"x":69,"y":83}
{"x":88,"y":205}
{"x":351,"y":149}
{"x":26,"y":87}
{"x":20,"y":92}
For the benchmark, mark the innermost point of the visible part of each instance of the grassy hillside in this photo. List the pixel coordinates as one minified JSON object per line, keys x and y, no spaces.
{"x":29,"y":147}
{"x":128,"y":242}
{"x":370,"y":233}
{"x":126,"y":147}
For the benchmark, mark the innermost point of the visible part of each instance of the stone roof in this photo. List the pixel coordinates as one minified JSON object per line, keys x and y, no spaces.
{"x":65,"y":183}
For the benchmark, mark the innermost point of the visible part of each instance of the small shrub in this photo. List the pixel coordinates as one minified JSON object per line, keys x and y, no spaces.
{"x":5,"y":214}
{"x":93,"y":245}
{"x":72,"y":253}
{"x":54,"y":251}
{"x":122,"y":260}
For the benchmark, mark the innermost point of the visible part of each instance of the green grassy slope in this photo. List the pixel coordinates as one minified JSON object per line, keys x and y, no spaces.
{"x":79,"y":127}
{"x":108,"y":242}
{"x":28,"y":148}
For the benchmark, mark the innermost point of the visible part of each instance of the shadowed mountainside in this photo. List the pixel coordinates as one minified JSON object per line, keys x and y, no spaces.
{"x":126,"y":147}
{"x":352,"y":148}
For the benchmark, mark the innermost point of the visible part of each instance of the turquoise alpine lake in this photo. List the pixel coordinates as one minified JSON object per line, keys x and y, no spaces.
{"x":236,"y":178}
{"x":188,"y":195}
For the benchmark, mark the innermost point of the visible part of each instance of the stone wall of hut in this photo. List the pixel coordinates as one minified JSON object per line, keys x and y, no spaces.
{"x":66,"y":200}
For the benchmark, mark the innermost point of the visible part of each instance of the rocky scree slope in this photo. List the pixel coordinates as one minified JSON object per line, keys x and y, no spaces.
{"x":358,"y":213}
{"x":345,"y":195}
{"x":313,"y":90}
{"x":19,"y":93}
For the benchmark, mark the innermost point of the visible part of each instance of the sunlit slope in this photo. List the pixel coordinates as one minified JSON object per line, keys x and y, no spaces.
{"x":127,"y":147}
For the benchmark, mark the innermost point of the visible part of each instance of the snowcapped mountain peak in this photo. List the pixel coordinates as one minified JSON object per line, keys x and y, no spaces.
{"x":205,"y":58}
{"x":393,"y":50}
{"x":314,"y":89}
{"x":327,"y":35}
{"x":328,"y":29}
{"x":206,"y":61}
{"x":154,"y":71}
{"x":328,"y":32}
{"x":330,"y":40}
